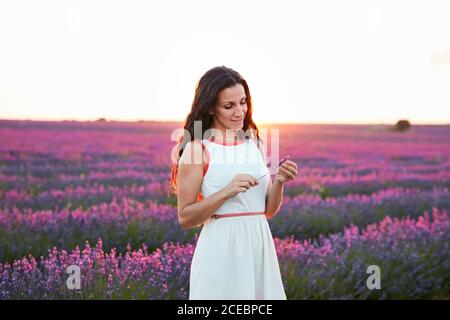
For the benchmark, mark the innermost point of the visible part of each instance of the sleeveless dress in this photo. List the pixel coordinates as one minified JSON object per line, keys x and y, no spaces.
{"x":235,"y":257}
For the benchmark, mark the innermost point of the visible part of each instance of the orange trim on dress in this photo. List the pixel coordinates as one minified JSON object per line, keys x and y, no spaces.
{"x":200,"y":196}
{"x":240,"y":214}
{"x":227,"y":143}
{"x":208,"y":158}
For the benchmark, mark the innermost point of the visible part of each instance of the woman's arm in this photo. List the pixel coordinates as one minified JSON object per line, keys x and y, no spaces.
{"x":274,"y":198}
{"x":274,"y":195}
{"x":189,"y":181}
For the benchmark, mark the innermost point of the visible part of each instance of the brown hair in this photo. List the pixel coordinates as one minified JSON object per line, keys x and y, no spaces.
{"x":205,"y":98}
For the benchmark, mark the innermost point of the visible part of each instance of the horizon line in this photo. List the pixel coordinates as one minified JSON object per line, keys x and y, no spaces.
{"x":106,"y":120}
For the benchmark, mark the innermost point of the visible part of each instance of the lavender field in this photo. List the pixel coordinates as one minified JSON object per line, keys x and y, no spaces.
{"x":95,"y":195}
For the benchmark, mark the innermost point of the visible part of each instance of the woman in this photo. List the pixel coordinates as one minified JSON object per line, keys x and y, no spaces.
{"x":235,"y":256}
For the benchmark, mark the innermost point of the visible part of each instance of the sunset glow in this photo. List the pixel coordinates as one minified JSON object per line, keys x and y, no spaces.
{"x":307,"y":62}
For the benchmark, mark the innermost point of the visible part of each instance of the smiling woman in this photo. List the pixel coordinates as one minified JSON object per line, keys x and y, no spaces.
{"x":235,"y":256}
{"x":230,"y":110}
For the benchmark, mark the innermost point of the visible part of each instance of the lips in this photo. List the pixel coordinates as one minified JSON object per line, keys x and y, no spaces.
{"x":240,"y":120}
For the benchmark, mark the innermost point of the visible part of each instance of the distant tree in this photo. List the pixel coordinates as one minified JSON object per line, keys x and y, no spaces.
{"x":402,"y":125}
{"x":101,"y":120}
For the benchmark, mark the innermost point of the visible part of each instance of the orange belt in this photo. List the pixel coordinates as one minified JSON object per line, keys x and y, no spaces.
{"x":217,"y":216}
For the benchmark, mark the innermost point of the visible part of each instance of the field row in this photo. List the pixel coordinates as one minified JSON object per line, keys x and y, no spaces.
{"x":411,"y":255}
{"x":127,"y":221}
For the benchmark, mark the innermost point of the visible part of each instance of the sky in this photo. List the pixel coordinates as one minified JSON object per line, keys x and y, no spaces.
{"x":305,"y":61}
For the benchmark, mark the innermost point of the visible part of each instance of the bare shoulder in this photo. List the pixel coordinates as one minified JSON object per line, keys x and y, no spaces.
{"x":190,"y":173}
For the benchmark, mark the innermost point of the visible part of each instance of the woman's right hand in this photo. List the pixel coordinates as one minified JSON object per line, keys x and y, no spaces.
{"x":240,"y":183}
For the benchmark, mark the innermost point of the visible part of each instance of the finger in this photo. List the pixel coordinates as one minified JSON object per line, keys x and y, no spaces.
{"x":290,"y":169}
{"x":290,"y":165}
{"x":241,"y":184}
{"x":288,"y":173}
{"x":294,"y":171}
{"x":251,"y":180}
{"x":293,"y":164}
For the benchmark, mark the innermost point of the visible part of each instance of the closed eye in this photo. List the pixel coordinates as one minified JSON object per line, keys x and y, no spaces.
{"x":227,"y":107}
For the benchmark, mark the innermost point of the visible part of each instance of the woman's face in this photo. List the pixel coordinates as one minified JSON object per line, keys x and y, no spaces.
{"x":231,"y":107}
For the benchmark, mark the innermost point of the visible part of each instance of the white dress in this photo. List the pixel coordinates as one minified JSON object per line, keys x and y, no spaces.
{"x":235,"y":257}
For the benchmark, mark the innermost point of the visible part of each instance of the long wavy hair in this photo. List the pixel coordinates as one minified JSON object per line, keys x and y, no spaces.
{"x":205,"y":98}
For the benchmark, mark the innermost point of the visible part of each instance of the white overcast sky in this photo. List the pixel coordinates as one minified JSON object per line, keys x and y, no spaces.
{"x":305,"y":61}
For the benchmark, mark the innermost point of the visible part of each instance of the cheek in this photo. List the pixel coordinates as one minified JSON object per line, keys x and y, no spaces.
{"x":229,"y":113}
{"x":224,"y":113}
{"x":218,"y":111}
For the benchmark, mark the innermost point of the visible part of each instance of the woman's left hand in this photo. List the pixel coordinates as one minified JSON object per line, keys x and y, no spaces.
{"x":286,"y":172}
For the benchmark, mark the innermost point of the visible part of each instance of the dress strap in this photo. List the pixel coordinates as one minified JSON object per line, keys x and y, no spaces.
{"x":208,"y":158}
